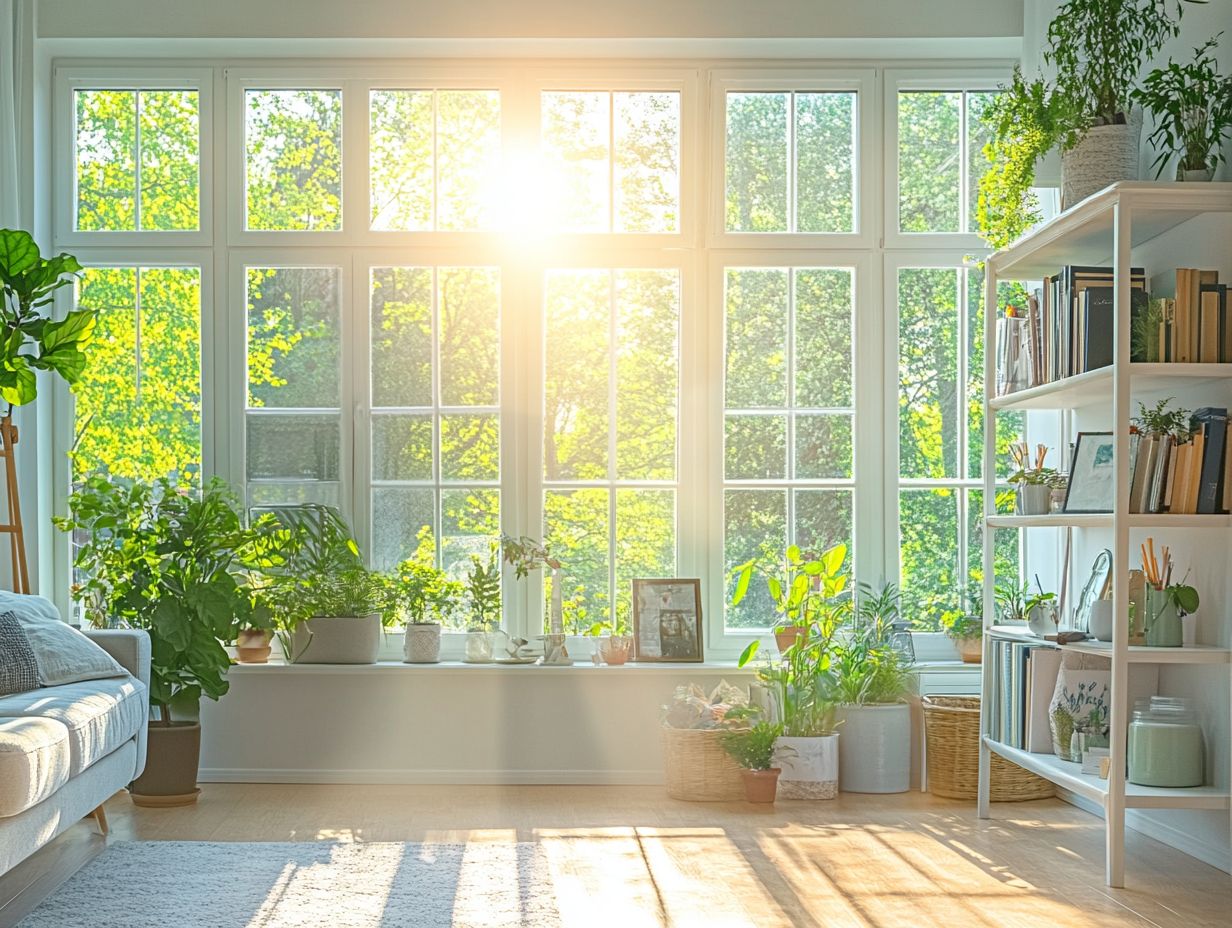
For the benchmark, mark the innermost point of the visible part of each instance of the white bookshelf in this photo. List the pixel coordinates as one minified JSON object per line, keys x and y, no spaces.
{"x":1101,"y":230}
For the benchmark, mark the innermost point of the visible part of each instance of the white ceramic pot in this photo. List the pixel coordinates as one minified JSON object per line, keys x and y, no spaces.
{"x":1205,"y":174}
{"x":337,"y":640}
{"x":1105,"y":155}
{"x":809,"y":765}
{"x":1099,"y":620}
{"x":478,"y":647}
{"x":876,"y":754}
{"x":1042,"y":620}
{"x":422,"y":644}
{"x":1033,"y":499}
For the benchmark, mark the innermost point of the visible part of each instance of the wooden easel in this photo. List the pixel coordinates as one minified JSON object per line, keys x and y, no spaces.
{"x":17,"y":539}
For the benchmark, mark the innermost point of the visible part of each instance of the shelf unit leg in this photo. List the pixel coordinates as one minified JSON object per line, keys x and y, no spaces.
{"x":988,"y":605}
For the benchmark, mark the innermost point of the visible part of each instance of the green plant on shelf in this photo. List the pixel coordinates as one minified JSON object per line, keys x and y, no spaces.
{"x":1028,"y":472}
{"x":1159,"y":421}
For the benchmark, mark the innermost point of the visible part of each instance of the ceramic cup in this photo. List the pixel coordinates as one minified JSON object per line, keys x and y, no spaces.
{"x":1100,"y":620}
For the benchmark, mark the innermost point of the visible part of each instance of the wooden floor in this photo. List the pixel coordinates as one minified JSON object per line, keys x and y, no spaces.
{"x":628,"y":856}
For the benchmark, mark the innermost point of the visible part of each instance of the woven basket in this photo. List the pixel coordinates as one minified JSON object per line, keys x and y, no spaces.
{"x":697,"y":767}
{"x":952,"y":732}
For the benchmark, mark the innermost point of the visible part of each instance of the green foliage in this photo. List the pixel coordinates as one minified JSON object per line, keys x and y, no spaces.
{"x":483,"y":589}
{"x":1184,"y":597}
{"x":1160,"y":420}
{"x":1194,"y":104}
{"x":867,"y":667}
{"x":525,"y":554}
{"x":31,"y":340}
{"x":962,"y":627}
{"x":419,"y":590}
{"x":161,"y":558}
{"x":1024,"y":121}
{"x":753,"y":748}
{"x":1099,"y":47}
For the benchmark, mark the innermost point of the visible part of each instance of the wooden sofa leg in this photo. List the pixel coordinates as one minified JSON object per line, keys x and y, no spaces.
{"x":100,"y":817}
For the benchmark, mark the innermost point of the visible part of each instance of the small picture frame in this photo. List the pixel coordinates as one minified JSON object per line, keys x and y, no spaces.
{"x":667,"y":620}
{"x":1092,"y":474}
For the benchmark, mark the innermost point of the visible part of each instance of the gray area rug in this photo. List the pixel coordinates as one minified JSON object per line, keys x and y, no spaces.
{"x":184,"y":884}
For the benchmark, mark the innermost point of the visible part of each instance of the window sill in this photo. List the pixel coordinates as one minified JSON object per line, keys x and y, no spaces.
{"x":585,"y":667}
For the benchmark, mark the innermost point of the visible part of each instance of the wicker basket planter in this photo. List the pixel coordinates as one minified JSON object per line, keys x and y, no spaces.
{"x":697,"y":768}
{"x":952,"y":734}
{"x":1104,"y":155}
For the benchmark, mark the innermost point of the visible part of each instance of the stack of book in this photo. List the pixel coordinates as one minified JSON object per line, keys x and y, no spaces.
{"x":1192,"y":328}
{"x":1188,"y":477}
{"x":1025,"y":682}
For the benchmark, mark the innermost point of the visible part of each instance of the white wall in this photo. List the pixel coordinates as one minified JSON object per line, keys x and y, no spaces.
{"x":529,"y":18}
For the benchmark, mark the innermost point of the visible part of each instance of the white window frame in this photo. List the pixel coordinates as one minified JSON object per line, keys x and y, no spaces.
{"x":67,"y":81}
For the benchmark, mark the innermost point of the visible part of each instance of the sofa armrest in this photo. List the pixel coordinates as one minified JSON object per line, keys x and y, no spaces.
{"x":130,"y":647}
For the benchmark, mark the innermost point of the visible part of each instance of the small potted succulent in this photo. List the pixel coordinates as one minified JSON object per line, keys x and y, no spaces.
{"x":753,"y":749}
{"x":1031,"y":479}
{"x":1193,"y":105}
{"x":967,"y":632}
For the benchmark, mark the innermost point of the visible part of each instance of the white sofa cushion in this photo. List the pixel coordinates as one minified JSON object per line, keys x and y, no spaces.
{"x":34,"y":762}
{"x":100,"y":715}
{"x":64,"y":654}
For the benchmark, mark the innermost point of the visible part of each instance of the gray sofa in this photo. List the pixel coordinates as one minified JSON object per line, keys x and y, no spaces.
{"x":65,"y":750}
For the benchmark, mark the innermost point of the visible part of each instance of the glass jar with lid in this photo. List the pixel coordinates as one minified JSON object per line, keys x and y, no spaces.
{"x":1165,"y":743}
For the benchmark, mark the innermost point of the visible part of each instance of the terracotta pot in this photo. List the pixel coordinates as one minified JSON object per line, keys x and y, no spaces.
{"x":616,"y":649}
{"x":788,"y":635}
{"x":252,"y":646}
{"x":170,"y":776}
{"x":971,"y":650}
{"x":760,"y":785}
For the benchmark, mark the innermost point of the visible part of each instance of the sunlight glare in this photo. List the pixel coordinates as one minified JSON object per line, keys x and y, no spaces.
{"x":529,"y":204}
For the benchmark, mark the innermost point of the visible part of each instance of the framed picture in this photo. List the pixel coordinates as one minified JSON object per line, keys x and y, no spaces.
{"x":1091,"y":473}
{"x":667,"y":620}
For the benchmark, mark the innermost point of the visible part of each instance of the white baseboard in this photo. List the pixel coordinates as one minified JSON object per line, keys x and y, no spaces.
{"x":1218,"y":857}
{"x":448,"y":777}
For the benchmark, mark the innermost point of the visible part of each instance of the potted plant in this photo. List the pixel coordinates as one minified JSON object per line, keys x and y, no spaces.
{"x":792,"y":587}
{"x":967,"y":633}
{"x":754,"y":750}
{"x":165,"y":558}
{"x":422,"y":595}
{"x":1159,"y":421}
{"x":483,"y":591}
{"x":799,"y":682}
{"x":1193,"y":103}
{"x":328,"y":607}
{"x":872,"y":681}
{"x":615,"y":644}
{"x":1033,"y":496}
{"x":525,"y":555}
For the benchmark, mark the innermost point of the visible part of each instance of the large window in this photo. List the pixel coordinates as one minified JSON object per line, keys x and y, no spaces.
{"x":633,"y":311}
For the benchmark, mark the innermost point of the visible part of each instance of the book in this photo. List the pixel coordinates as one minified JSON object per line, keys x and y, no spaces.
{"x":1193,"y":475}
{"x":1143,"y":466}
{"x":1174,"y":460}
{"x":1159,"y":478}
{"x":1210,"y":341}
{"x":1180,"y":473}
{"x":1214,"y":425}
{"x":1180,"y":334}
{"x":1096,"y":338}
{"x":1043,"y":667}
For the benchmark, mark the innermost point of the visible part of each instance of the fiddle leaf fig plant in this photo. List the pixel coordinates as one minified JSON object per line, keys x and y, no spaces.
{"x":30,"y":339}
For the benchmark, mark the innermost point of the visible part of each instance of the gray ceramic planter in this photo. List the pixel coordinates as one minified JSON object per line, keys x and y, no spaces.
{"x":876,"y":751}
{"x":338,"y":640}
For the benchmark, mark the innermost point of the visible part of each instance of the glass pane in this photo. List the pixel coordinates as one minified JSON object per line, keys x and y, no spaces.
{"x":823,"y":447}
{"x":825,"y":159}
{"x":646,"y":172}
{"x":399,"y":515}
{"x":1005,"y":542}
{"x":298,"y":447}
{"x":757,"y":162}
{"x":756,"y":346}
{"x":1010,"y":424}
{"x":468,"y":155}
{"x":106,"y":138}
{"x":169,"y":160}
{"x":823,"y":520}
{"x":576,"y":132}
{"x":928,"y":401}
{"x":401,"y":336}
{"x":469,"y":304}
{"x":754,"y":525}
{"x":280,"y":494}
{"x":470,"y":448}
{"x":755,"y":448}
{"x":294,"y":146}
{"x":645,"y":543}
{"x":470,"y":525}
{"x":824,"y":303}
{"x":647,"y":323}
{"x":138,"y":402}
{"x":400,"y":159}
{"x":293,"y":337}
{"x":928,"y":550}
{"x":929,"y":163}
{"x":576,"y":361}
{"x":576,"y":528}
{"x":978,"y":135}
{"x":401,"y":447}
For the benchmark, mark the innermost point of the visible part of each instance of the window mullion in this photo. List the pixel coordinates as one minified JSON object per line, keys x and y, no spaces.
{"x":612,"y":474}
